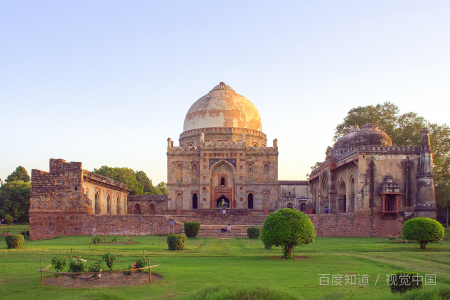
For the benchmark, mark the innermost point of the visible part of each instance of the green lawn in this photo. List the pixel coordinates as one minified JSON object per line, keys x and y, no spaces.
{"x":236,"y":263}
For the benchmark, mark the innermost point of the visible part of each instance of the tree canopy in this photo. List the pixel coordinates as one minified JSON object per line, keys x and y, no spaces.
{"x":404,"y":130}
{"x":19,"y":174}
{"x":138,"y":181}
{"x":288,"y":228}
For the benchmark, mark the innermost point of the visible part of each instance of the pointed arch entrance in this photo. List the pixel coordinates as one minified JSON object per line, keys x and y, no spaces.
{"x":222,"y":182}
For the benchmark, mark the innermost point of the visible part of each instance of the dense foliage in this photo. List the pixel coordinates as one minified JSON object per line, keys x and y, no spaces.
{"x":109,"y":259}
{"x":176,"y":241}
{"x":404,"y":129}
{"x":400,"y":282}
{"x":15,"y":241}
{"x":288,"y":228}
{"x":96,"y":268}
{"x":15,"y":195}
{"x":20,"y":174}
{"x":77,"y":266}
{"x":141,"y":263}
{"x":191,"y":229}
{"x":138,"y":182}
{"x":253,"y":232}
{"x":423,"y":231}
{"x":58,"y":264}
{"x":8,"y":219}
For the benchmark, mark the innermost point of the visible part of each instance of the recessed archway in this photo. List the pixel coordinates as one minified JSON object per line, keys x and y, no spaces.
{"x":223,"y":202}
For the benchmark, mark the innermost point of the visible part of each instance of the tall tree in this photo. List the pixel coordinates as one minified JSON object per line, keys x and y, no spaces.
{"x":405,"y":130}
{"x":19,"y":174}
{"x":16,"y":195}
{"x":162,"y":187}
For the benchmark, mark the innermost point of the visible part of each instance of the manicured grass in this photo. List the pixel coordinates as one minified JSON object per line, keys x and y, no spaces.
{"x":216,"y":267}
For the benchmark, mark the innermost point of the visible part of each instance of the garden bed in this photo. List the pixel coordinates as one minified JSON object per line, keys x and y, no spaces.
{"x":106,"y":280}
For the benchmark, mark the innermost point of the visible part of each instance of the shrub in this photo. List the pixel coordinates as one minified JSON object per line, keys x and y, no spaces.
{"x":58,"y":264}
{"x":423,"y":230}
{"x":96,"y":239}
{"x":129,"y":272}
{"x":140,"y":263}
{"x":109,"y":259}
{"x":176,"y":241}
{"x":191,"y":229}
{"x":288,"y":228}
{"x":96,"y":268}
{"x":253,"y":232}
{"x":114,"y":239}
{"x":77,"y":266}
{"x":400,"y":282}
{"x":9,"y":219}
{"x":15,"y":241}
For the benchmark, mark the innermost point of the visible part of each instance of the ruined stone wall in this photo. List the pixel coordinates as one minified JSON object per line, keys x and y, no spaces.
{"x":148,"y":204}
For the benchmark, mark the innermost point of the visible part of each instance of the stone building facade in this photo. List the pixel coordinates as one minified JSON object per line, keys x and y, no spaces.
{"x":222,"y":159}
{"x":295,"y":194}
{"x":365,"y":173}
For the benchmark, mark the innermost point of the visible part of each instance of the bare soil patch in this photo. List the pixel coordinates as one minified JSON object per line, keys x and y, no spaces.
{"x":107,"y":280}
{"x":296,"y":257}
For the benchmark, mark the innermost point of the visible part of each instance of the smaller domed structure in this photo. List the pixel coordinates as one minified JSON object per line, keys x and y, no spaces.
{"x":369,"y":135}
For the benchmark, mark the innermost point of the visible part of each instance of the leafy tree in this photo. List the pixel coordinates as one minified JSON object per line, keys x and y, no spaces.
{"x":162,"y":187}
{"x":288,"y":228}
{"x":19,"y":174}
{"x":405,"y":130}
{"x":423,"y":231}
{"x":16,"y":195}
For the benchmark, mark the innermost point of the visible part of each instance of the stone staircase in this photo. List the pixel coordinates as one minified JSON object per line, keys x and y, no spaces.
{"x":214,"y":231}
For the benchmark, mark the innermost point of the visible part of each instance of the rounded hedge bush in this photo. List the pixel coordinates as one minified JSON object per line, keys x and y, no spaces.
{"x":9,"y":219}
{"x":288,"y":228}
{"x":253,"y":232}
{"x":15,"y":241}
{"x":191,"y":229}
{"x":423,"y":230}
{"x":176,"y":241}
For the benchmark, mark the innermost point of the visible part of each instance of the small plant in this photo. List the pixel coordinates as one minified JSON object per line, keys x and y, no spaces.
{"x":253,"y":232}
{"x":15,"y":241}
{"x":176,"y":241}
{"x":9,"y":219}
{"x":96,"y":239}
{"x":109,"y":259}
{"x":423,"y":230}
{"x":77,"y":266}
{"x":58,"y":264}
{"x":191,"y":229}
{"x":400,"y":282}
{"x":140,"y":263}
{"x":129,"y":272}
{"x":114,"y":239}
{"x":96,"y":268}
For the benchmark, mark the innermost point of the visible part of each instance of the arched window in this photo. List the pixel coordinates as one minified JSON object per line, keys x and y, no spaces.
{"x":194,"y":201}
{"x":303,"y":207}
{"x":290,"y":205}
{"x":250,"y":177}
{"x":179,"y":201}
{"x":222,"y":181}
{"x":266,"y":172}
{"x":151,"y":209}
{"x":97,"y":203}
{"x":265,"y":201}
{"x":108,"y":204}
{"x":250,"y":201}
{"x":179,"y":173}
{"x":137,"y":209}
{"x":119,"y":209}
{"x":194,"y":177}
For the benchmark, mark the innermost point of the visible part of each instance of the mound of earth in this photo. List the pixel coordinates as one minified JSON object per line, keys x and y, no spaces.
{"x":106,"y":280}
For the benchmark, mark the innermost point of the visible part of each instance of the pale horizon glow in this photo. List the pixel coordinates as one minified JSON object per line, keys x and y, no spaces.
{"x":107,"y":82}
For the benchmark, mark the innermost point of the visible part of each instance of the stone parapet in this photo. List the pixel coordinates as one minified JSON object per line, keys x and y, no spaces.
{"x":104,"y":180}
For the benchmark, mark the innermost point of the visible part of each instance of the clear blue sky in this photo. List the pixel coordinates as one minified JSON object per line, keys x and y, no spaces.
{"x":107,"y":82}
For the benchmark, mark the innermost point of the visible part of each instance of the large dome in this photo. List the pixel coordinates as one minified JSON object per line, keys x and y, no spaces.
{"x":222,"y":107}
{"x":369,"y":134}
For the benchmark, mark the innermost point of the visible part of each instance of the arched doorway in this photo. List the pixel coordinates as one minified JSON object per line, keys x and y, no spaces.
{"x":194,"y":201}
{"x":137,"y":209}
{"x":342,"y":197}
{"x":151,"y":209}
{"x":97,"y":203}
{"x":290,"y":205}
{"x":108,"y":204}
{"x":223,"y":202}
{"x":250,"y":201}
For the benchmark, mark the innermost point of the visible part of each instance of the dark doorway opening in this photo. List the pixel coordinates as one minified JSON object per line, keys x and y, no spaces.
{"x":222,"y":181}
{"x":223,"y":201}
{"x":194,"y":201}
{"x":250,"y":201}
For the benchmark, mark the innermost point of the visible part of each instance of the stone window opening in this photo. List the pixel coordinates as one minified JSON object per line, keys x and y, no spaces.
{"x":137,"y":209}
{"x":194,"y":201}
{"x":179,"y":173}
{"x":151,"y":209}
{"x":250,"y":200}
{"x":108,"y":204}
{"x":76,"y":188}
{"x":194,"y":173}
{"x":118,"y":209}
{"x":303,"y":207}
{"x":97,"y":203}
{"x":250,"y":173}
{"x":266,"y":172}
{"x":290,"y":205}
{"x":222,"y":181}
